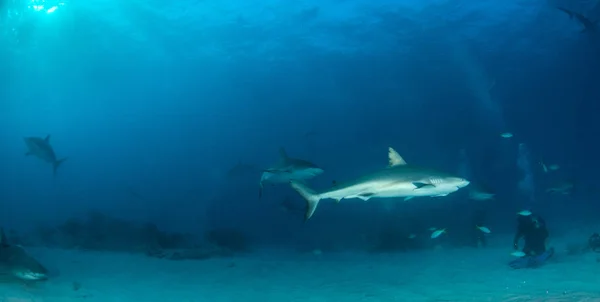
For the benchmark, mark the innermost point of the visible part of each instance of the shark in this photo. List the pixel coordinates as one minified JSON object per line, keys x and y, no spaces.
{"x":288,"y":169}
{"x":479,"y":192}
{"x":588,"y":25}
{"x":41,"y":148}
{"x":17,"y":264}
{"x":397,"y":180}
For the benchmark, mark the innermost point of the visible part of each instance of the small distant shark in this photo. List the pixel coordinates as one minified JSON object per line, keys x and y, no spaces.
{"x":564,"y":188}
{"x":288,"y":169}
{"x":588,"y":25}
{"x":397,"y":180}
{"x":17,"y":264}
{"x":480,"y":193}
{"x":41,"y":148}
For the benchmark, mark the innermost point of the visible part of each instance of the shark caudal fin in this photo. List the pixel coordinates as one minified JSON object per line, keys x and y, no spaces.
{"x":311,"y":197}
{"x":57,"y":164}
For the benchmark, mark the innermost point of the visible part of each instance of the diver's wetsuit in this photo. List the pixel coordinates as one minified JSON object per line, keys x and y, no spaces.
{"x":533,"y":229}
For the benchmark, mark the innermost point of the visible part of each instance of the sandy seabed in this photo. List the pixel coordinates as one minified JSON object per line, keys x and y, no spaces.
{"x":278,"y":275}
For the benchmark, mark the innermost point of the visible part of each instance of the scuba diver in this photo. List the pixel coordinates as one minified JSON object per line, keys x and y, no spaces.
{"x":594,"y":242}
{"x":532,"y":228}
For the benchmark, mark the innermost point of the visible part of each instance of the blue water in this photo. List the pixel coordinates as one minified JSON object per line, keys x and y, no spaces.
{"x":169,"y":111}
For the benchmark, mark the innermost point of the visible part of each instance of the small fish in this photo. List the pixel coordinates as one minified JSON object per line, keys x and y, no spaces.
{"x":412,"y":236}
{"x":437,"y":233}
{"x":506,"y":135}
{"x":484,"y":229}
{"x":544,"y":167}
{"x":524,"y":213}
{"x":552,"y":167}
{"x":517,"y":254}
{"x":431,"y":229}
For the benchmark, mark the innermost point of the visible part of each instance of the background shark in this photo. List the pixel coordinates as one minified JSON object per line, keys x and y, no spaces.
{"x":288,"y":169}
{"x":41,"y":148}
{"x":397,"y":180}
{"x":588,"y":25}
{"x":16,"y":264}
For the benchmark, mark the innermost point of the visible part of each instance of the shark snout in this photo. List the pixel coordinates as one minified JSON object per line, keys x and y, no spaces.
{"x":316,"y":171}
{"x":462,"y":183}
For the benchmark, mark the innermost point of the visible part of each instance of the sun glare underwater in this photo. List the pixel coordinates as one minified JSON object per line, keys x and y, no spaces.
{"x":299,"y":150}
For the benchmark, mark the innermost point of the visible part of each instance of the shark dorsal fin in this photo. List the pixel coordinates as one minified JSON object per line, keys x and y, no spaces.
{"x":395,"y":158}
{"x":47,"y":139}
{"x":282,"y":154}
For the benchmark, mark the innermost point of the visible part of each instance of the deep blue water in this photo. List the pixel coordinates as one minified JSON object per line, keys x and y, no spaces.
{"x":155,"y":103}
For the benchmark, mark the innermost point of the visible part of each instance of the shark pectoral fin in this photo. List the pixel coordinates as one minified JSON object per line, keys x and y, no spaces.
{"x":407,"y":198}
{"x":365,"y":196}
{"x":422,"y":185}
{"x":47,"y":139}
{"x":394,"y":158}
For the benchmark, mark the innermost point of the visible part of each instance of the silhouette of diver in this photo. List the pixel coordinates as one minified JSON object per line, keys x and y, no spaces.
{"x":532,"y":229}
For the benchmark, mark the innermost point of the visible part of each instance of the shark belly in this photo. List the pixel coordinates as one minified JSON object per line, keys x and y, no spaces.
{"x":372,"y":189}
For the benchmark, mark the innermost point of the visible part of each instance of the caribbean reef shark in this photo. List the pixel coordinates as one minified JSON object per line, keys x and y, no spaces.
{"x":41,"y":148}
{"x":397,"y":180}
{"x":17,"y":264}
{"x":288,"y":169}
{"x":589,"y":26}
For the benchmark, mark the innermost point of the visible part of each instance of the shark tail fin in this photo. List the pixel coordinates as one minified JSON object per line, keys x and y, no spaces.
{"x":57,"y":164}
{"x":311,"y":197}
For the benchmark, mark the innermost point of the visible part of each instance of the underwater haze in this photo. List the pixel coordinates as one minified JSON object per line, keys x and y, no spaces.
{"x":153,"y":143}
